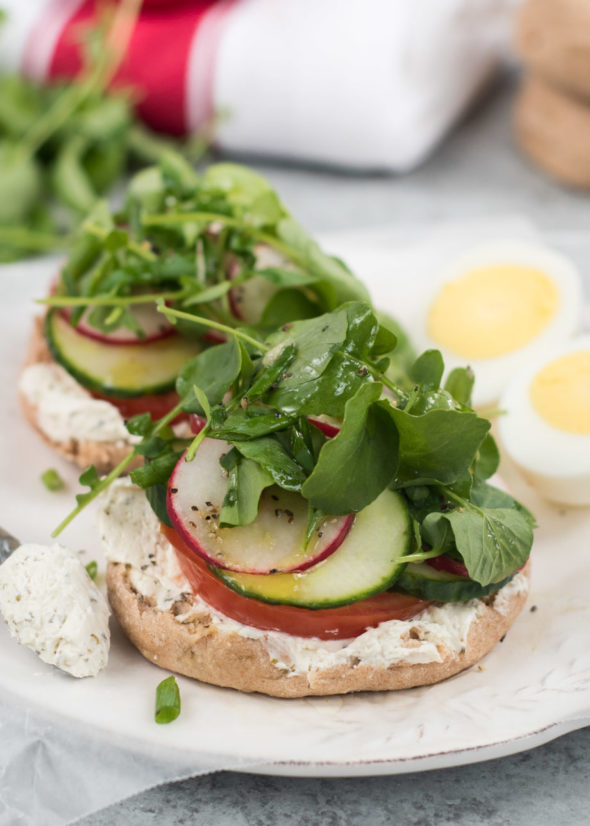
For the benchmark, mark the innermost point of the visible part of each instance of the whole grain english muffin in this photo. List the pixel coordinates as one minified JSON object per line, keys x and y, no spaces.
{"x":80,"y":428}
{"x":553,"y":129}
{"x":177,"y":630}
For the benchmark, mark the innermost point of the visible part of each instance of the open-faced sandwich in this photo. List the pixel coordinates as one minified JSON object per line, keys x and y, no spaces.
{"x":325,"y":530}
{"x":220,"y":246}
{"x":321,"y":522}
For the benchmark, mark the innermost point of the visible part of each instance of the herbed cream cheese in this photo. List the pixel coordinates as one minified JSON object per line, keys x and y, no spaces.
{"x":51,"y":605}
{"x":66,"y":411}
{"x":131,"y":535}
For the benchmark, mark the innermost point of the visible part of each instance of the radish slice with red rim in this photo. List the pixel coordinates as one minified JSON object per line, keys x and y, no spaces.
{"x":273,"y":543}
{"x":329,"y":426}
{"x":248,"y":300}
{"x":154,"y":325}
{"x":446,"y":563}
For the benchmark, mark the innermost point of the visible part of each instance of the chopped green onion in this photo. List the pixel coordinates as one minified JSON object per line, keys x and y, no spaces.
{"x":167,"y":701}
{"x":52,"y":480}
{"x":92,"y":569}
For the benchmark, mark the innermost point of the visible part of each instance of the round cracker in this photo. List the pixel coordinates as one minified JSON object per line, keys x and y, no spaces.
{"x":553,"y":129}
{"x":199,"y":647}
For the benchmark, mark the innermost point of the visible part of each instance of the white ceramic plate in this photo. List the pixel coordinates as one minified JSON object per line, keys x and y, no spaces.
{"x":531,"y":688}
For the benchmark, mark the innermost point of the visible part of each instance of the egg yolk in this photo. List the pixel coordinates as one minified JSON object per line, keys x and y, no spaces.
{"x":560,"y":393}
{"x":492,"y":310}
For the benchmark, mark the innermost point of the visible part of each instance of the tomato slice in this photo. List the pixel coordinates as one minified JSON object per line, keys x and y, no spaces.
{"x":157,"y":405}
{"x":325,"y":623}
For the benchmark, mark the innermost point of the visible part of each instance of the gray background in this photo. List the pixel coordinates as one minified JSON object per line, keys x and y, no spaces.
{"x":478,"y":172}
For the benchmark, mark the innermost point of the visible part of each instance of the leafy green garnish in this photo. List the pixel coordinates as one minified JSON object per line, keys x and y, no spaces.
{"x":52,"y":480}
{"x":167,"y":700}
{"x":92,"y":569}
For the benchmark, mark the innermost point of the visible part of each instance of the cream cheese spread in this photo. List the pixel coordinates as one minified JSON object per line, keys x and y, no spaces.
{"x":66,"y":411}
{"x":130,"y":534}
{"x":51,"y":605}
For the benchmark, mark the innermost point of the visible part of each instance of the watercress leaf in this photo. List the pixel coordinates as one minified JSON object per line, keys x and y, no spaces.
{"x":249,"y":194}
{"x":281,"y":277}
{"x":157,"y":496}
{"x":301,"y":445}
{"x":90,"y":479}
{"x":203,"y":296}
{"x":273,"y":373}
{"x":288,"y":305}
{"x":213,"y":371}
{"x":485,"y":495}
{"x":246,"y":481}
{"x":487,"y":458}
{"x":155,"y":472}
{"x":437,"y":446}
{"x":437,"y":534}
{"x":140,"y":425}
{"x":270,"y":454}
{"x":385,"y":341}
{"x":250,"y":424}
{"x":459,"y":384}
{"x":428,"y":369}
{"x":315,"y":340}
{"x":312,"y":259}
{"x":323,"y":376}
{"x":325,"y":395}
{"x":360,"y":461}
{"x":203,"y":401}
{"x":362,"y":329}
{"x":492,"y":542}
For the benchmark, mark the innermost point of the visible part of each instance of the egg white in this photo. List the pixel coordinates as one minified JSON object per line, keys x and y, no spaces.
{"x":492,"y":374}
{"x":557,"y":463}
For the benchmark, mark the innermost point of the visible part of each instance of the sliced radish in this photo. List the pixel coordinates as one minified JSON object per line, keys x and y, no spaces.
{"x":451,"y":566}
{"x":273,"y":543}
{"x":248,"y":300}
{"x":327,"y":424}
{"x":154,"y":325}
{"x":197,"y":423}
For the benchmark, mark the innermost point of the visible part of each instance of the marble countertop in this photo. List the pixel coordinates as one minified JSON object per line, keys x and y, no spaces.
{"x":477,"y":173}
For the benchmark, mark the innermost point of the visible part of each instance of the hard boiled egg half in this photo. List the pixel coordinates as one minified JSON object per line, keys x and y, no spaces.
{"x":495,"y":307}
{"x":545,"y":428}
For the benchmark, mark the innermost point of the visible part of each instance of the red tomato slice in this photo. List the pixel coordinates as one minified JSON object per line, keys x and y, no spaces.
{"x":156,"y":405}
{"x":325,"y":623}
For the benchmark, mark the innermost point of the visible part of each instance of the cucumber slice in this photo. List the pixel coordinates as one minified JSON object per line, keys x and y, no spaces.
{"x":423,"y":581}
{"x":367,"y":562}
{"x":116,"y":370}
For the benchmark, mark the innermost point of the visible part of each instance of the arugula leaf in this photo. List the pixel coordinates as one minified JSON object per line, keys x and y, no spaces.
{"x":360,"y":461}
{"x":493,"y":542}
{"x":246,"y":481}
